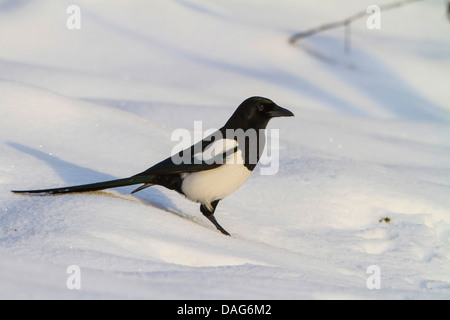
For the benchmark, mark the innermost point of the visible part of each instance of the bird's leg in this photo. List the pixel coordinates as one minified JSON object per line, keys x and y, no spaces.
{"x":210,"y":215}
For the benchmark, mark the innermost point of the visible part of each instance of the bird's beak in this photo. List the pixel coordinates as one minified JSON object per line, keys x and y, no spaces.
{"x":280,"y":112}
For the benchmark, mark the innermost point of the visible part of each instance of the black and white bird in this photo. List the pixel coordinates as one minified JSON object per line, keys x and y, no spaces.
{"x":209,"y":170}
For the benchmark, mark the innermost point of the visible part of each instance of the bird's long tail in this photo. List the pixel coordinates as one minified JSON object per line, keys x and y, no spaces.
{"x":95,"y":186}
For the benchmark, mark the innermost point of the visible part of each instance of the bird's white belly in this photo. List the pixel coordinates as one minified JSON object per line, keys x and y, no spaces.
{"x":215,"y":184}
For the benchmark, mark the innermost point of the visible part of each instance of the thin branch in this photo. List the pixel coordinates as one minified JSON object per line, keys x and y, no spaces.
{"x":346,"y":22}
{"x":448,"y":10}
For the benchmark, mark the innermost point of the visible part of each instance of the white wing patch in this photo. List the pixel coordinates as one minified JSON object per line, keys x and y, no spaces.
{"x":214,"y":153}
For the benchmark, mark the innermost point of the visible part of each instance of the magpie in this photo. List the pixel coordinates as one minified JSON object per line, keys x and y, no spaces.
{"x":210,"y":169}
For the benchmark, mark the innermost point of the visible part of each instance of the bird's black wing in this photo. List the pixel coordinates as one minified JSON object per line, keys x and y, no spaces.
{"x":188,"y":160}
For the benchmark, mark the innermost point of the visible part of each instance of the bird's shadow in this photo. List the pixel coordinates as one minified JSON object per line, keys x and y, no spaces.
{"x":73,"y":174}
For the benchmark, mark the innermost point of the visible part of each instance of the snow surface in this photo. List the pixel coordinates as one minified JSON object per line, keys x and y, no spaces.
{"x":370,"y":140}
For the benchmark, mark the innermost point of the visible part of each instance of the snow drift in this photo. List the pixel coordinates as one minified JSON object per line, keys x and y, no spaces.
{"x":370,"y":141}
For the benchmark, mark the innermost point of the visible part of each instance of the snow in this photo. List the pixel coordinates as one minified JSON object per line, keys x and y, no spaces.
{"x":369,"y":141}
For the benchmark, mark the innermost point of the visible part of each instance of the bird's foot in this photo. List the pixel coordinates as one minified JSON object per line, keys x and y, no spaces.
{"x":218,"y":226}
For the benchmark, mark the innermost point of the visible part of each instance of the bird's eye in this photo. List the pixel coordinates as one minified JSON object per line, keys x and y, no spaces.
{"x":261,"y":107}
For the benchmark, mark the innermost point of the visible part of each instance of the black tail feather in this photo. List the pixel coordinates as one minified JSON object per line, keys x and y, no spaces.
{"x":93,"y":186}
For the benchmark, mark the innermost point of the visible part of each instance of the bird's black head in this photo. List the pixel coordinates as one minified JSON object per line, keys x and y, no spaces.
{"x":255,"y":112}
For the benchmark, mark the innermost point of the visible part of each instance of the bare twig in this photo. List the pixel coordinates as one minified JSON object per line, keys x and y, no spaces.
{"x":448,"y":10}
{"x":346,"y":22}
